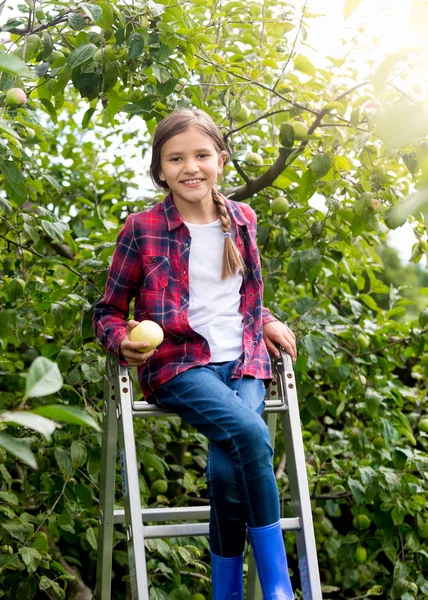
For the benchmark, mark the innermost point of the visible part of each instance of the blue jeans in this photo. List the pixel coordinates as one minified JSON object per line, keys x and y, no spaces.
{"x":240,"y":477}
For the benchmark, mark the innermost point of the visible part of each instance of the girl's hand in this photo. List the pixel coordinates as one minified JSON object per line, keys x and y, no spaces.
{"x":129,"y":349}
{"x":276,"y":332}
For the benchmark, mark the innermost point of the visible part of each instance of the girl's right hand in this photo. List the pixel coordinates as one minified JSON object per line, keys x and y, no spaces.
{"x":129,"y":349}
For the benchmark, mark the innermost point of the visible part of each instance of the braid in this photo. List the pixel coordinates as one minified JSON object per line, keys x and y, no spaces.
{"x":232,"y":259}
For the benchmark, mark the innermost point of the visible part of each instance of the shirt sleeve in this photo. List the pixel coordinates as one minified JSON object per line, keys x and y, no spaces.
{"x":123,"y":282}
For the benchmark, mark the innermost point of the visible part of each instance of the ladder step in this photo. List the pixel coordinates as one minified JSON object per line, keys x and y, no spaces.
{"x":144,"y":409}
{"x":185,"y":513}
{"x":196,"y":529}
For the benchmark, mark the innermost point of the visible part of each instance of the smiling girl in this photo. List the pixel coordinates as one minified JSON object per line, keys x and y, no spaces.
{"x":193,"y":266}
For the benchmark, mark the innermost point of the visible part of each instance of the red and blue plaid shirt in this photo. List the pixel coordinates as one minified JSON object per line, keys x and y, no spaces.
{"x":151,"y":263}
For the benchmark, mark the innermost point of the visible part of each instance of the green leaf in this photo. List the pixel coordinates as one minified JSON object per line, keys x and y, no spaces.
{"x":181,"y":592}
{"x":9,"y":498}
{"x":18,"y":448}
{"x":43,"y":378}
{"x":81,"y":54}
{"x":93,"y":11}
{"x":67,"y":414}
{"x":14,"y":183}
{"x":91,"y":537}
{"x":76,"y":21}
{"x":54,"y":230}
{"x":54,"y":183}
{"x":306,"y":188}
{"x":303,"y":64}
{"x":19,"y":529}
{"x":10,"y":63}
{"x":30,"y":420}
{"x":136,"y":45}
{"x":107,"y":18}
{"x":50,"y":109}
{"x":7,"y":323}
{"x":321,"y":165}
{"x":78,"y":453}
{"x":31,"y":558}
{"x":357,"y":490}
{"x":368,"y":301}
{"x":63,"y":460}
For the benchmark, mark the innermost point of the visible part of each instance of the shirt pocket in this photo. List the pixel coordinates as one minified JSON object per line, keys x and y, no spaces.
{"x":156,"y":270}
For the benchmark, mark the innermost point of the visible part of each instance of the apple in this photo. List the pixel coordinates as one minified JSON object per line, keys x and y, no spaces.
{"x":280,"y":205}
{"x":361,"y":555}
{"x":147,"y":331}
{"x":423,"y":425}
{"x":33,"y":46}
{"x":136,"y":96}
{"x":243,"y":114}
{"x":159,"y":486}
{"x":361,"y":522}
{"x":198,"y":596}
{"x":16,"y":97}
{"x":363,"y":341}
{"x":379,"y":442}
{"x":376,"y":205}
{"x":300,"y":130}
{"x":55,"y":55}
{"x":254,"y":161}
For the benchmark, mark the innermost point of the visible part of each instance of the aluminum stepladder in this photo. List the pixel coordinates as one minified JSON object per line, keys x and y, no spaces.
{"x":119,"y":411}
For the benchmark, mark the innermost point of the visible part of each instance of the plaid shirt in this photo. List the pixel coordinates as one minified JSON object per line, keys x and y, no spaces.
{"x":151,"y":263}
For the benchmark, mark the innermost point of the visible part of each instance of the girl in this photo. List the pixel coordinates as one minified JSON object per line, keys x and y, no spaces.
{"x":193,"y":266}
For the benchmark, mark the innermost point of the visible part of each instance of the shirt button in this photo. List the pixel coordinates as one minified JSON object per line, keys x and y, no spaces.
{"x":250,"y":295}
{"x":184,"y":271}
{"x":154,"y":259}
{"x":251,"y":319}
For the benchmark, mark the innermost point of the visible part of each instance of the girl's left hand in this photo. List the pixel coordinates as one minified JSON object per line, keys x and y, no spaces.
{"x":276,"y":332}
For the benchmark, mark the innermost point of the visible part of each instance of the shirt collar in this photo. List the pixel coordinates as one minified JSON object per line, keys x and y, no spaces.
{"x":173,"y":217}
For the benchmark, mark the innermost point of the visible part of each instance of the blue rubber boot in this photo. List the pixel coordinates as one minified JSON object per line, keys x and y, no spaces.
{"x":271,"y":561}
{"x":227,"y":575}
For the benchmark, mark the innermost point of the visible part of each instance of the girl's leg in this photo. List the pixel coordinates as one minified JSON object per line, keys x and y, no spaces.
{"x":227,"y":519}
{"x":201,"y":398}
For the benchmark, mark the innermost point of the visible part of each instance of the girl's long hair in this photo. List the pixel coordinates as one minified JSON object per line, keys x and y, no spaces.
{"x":172,"y":125}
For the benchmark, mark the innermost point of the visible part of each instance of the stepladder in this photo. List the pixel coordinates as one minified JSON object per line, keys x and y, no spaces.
{"x":118,"y":443}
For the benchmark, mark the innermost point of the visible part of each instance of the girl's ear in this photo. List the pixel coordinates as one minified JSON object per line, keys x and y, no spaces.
{"x":222,"y":156}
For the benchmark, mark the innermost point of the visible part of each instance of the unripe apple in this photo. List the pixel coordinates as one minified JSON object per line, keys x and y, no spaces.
{"x":361,"y":555}
{"x":280,"y":205}
{"x":254,"y":161}
{"x":16,"y":97}
{"x":32,"y":46}
{"x":55,"y":55}
{"x":423,"y":425}
{"x":363,"y":341}
{"x":243,"y":114}
{"x":136,"y":96}
{"x":300,"y":130}
{"x":149,"y":332}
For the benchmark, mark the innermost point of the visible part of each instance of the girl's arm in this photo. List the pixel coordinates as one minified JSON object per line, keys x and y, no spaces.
{"x":123,"y":283}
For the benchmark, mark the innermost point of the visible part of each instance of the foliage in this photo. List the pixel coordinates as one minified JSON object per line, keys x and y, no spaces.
{"x":97,"y":80}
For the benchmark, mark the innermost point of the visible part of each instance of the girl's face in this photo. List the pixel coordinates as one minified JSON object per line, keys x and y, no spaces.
{"x":190,"y":165}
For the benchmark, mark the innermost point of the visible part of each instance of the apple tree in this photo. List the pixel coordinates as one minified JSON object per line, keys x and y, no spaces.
{"x":329,"y":160}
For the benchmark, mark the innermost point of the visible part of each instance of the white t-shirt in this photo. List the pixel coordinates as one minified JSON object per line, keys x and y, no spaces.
{"x":214,"y":304}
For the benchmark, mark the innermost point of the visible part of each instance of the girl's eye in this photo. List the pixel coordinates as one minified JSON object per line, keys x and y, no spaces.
{"x":178,"y":157}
